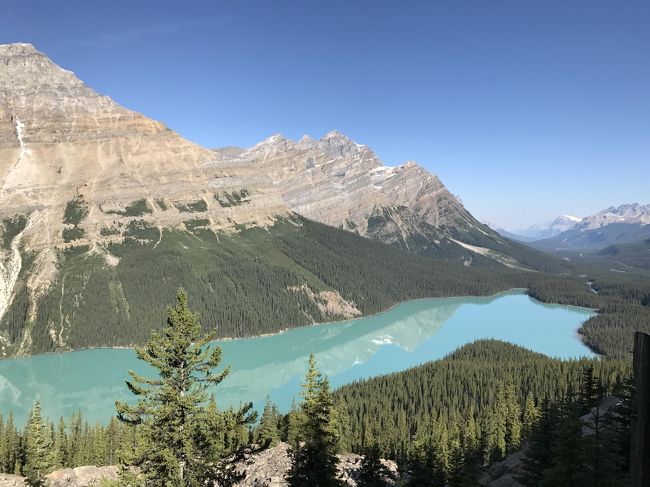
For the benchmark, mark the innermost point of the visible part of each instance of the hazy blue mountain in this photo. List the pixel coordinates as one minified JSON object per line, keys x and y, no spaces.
{"x":628,"y":223}
{"x":550,"y":229}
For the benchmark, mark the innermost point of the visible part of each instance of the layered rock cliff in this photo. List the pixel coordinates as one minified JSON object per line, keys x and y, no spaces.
{"x":61,"y":141}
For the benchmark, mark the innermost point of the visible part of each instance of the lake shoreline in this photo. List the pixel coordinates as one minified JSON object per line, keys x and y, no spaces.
{"x":514,"y":290}
{"x":414,"y":333}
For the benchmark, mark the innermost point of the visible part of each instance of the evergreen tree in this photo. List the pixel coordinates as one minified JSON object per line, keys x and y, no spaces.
{"x":74,"y":449}
{"x":9,"y":447}
{"x":440,"y":444}
{"x":341,"y":424}
{"x":423,"y":467}
{"x":38,"y":454}
{"x":112,"y":439}
{"x":2,"y":441}
{"x":373,"y":472}
{"x":59,"y":453}
{"x":621,"y":416}
{"x":538,"y":456}
{"x":567,"y":454}
{"x":314,"y":461}
{"x":495,"y":427}
{"x":171,"y":450}
{"x":294,"y":420}
{"x":513,"y":418}
{"x":269,"y":434}
{"x":591,"y":391}
{"x":531,"y":415}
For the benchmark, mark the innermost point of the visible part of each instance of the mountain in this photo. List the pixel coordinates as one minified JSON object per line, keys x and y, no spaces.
{"x":339,"y":182}
{"x":628,"y":223}
{"x":104,"y":213}
{"x":550,"y":229}
{"x":631,"y":213}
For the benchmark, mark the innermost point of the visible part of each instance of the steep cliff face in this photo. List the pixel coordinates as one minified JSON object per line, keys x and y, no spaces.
{"x":61,"y":141}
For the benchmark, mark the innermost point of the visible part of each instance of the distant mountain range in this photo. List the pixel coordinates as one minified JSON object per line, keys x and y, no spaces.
{"x":627,"y":223}
{"x":541,"y":231}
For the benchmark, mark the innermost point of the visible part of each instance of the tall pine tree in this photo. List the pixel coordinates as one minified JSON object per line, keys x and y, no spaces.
{"x":38,"y":448}
{"x":171,"y":449}
{"x":314,"y":460}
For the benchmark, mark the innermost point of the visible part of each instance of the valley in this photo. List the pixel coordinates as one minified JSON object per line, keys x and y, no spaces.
{"x":105,"y":213}
{"x":427,"y":337}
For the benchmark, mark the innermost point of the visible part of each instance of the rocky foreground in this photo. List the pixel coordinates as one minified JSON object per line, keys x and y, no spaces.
{"x":267,"y":468}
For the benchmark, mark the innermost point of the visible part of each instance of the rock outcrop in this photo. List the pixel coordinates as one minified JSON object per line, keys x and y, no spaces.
{"x":8,"y":480}
{"x":81,"y":476}
{"x":266,"y":468}
{"x":87,"y":476}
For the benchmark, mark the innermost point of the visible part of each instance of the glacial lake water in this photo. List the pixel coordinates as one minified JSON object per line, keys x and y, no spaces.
{"x":407,"y":335}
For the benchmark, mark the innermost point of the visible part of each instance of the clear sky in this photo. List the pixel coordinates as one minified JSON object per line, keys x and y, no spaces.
{"x":525,"y":109}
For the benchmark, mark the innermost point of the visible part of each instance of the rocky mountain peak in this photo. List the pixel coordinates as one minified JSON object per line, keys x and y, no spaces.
{"x":336,"y":135}
{"x":26,"y":69}
{"x":17,"y":49}
{"x":628,"y":209}
{"x":633,"y":213}
{"x":338,"y":145}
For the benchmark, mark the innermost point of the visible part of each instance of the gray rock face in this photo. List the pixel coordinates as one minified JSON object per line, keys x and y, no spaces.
{"x":269,"y":468}
{"x":341,"y":183}
{"x":69,"y":477}
{"x":60,"y":139}
{"x":81,"y":476}
{"x":61,"y":143}
{"x":8,"y":480}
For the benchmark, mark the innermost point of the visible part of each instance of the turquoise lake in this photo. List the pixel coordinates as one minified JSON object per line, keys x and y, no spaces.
{"x":409,"y":334}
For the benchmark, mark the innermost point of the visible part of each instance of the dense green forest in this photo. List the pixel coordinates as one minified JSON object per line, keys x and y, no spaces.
{"x":463,"y":390}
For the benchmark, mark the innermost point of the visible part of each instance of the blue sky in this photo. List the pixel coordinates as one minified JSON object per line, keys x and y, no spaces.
{"x":526,"y":110}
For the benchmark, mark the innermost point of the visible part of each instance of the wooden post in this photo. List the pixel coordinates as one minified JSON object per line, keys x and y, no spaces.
{"x":640,"y":447}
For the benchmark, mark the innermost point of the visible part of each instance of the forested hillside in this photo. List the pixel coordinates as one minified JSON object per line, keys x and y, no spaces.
{"x":294,"y":273}
{"x":271,"y":279}
{"x":487,"y":393}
